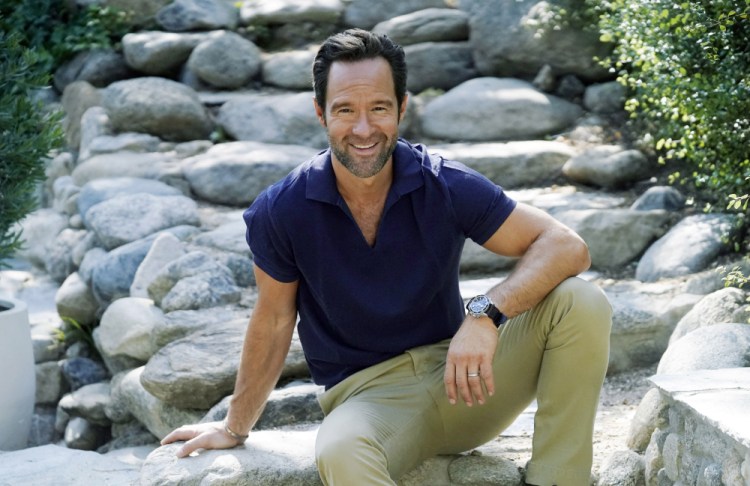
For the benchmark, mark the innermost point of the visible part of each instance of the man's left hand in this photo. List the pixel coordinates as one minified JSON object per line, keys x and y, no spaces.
{"x":468,"y":366}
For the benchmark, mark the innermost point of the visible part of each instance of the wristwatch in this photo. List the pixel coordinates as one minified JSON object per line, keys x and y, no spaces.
{"x":482,"y":306}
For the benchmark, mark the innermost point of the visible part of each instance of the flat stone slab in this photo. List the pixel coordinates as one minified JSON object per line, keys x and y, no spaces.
{"x":720,"y":397}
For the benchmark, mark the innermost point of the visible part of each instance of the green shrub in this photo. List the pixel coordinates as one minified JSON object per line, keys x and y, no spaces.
{"x":58,"y":30}
{"x":27,"y":135}
{"x":686,"y":65}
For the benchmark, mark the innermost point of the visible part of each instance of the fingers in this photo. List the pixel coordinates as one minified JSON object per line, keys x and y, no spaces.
{"x":470,"y":385}
{"x":182,"y":433}
{"x":202,"y":436}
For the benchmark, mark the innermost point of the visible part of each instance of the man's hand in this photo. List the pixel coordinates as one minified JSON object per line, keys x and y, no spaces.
{"x":468,"y":366}
{"x":209,"y":435}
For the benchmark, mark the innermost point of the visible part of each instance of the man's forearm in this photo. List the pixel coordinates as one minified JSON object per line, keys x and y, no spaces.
{"x":261,"y":363}
{"x":553,"y":257}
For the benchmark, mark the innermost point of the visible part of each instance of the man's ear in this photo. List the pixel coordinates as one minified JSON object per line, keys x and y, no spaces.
{"x":402,"y":110}
{"x":320,"y":112}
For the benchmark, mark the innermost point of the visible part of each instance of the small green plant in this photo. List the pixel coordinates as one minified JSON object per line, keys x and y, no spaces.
{"x":73,"y":331}
{"x":27,"y":135}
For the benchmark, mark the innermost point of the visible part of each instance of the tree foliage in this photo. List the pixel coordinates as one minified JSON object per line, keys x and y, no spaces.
{"x":686,"y":65}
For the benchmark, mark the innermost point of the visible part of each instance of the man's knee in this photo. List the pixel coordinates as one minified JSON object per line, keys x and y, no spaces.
{"x":346,"y":445}
{"x":584,"y":304}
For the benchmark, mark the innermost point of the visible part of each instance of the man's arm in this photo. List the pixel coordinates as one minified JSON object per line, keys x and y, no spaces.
{"x":550,"y":252}
{"x":266,"y":345}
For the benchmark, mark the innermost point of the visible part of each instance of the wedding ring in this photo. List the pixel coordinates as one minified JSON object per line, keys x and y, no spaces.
{"x":472,"y":375}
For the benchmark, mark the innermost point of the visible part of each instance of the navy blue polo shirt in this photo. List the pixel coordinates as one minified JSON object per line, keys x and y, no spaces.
{"x":360,"y":305}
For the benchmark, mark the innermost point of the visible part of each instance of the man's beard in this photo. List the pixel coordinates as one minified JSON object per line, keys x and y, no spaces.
{"x":368,"y":167}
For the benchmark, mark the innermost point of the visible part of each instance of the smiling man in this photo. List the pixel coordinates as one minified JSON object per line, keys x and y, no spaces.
{"x":363,"y":243}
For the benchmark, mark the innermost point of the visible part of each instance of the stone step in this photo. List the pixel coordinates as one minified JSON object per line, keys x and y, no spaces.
{"x":706,"y":438}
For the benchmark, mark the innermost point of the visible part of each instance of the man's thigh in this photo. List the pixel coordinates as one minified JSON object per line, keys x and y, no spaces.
{"x":391,"y":413}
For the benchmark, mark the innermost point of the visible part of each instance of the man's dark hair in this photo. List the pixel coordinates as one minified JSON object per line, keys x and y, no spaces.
{"x":357,"y":45}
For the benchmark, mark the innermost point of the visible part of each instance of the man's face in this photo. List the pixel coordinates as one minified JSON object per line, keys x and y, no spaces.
{"x":361,"y":115}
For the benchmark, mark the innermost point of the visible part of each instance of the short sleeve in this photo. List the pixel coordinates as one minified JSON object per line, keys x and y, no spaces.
{"x":271,"y":250}
{"x":480,"y":205}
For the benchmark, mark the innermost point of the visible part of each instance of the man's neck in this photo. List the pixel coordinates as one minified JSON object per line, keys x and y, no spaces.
{"x":353,"y":188}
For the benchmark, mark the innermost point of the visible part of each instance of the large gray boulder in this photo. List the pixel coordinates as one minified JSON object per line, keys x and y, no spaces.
{"x":99,"y":67}
{"x":714,"y":308}
{"x":74,"y":300}
{"x":88,"y":402}
{"x":714,"y":347}
{"x":280,"y":119}
{"x":159,"y":53}
{"x":291,"y":11}
{"x":126,"y":327}
{"x":643,"y":318}
{"x":52,"y":465}
{"x":181,"y":323}
{"x":489,"y":109}
{"x":441,"y":65}
{"x":77,"y":97}
{"x":58,"y":262}
{"x":615,"y":236}
{"x":517,"y":39}
{"x":608,"y":166}
{"x":689,"y":247}
{"x":124,"y":219}
{"x":187,"y":15}
{"x":165,"y":249}
{"x":510,"y":164}
{"x":365,"y":14}
{"x":100,"y":190}
{"x":129,"y":397}
{"x":193,"y":281}
{"x":159,"y":106}
{"x":289,"y":69}
{"x":428,"y":25}
{"x":268,"y":458}
{"x":227,"y":60}
{"x":199,"y":370}
{"x":127,"y":164}
{"x":235,"y":173}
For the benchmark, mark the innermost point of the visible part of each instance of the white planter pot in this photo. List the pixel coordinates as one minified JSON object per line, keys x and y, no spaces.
{"x":17,"y":375}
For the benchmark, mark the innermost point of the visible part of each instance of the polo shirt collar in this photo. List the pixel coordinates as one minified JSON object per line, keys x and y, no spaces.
{"x":408,"y":161}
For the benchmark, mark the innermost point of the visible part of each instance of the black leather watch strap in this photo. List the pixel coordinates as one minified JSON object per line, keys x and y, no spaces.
{"x":497,"y":317}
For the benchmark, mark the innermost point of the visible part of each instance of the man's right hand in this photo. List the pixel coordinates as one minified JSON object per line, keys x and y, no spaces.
{"x":209,"y":435}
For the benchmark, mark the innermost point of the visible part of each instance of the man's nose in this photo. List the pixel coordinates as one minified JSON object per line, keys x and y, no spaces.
{"x":362,"y":125}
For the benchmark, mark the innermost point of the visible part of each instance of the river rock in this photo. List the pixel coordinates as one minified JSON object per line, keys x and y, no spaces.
{"x":484,"y":470}
{"x":199,"y":370}
{"x":126,"y":328}
{"x":130,"y":142}
{"x":158,"y":417}
{"x":50,"y":385}
{"x":268,"y":458}
{"x":427,"y":25}
{"x":227,"y":60}
{"x":112,"y":273}
{"x":659,"y":197}
{"x":605,"y":97}
{"x":689,"y":247}
{"x":81,"y":371}
{"x":65,"y":195}
{"x":488,"y":109}
{"x":88,"y":402}
{"x":714,"y":308}
{"x":99,"y":67}
{"x":608,"y":166}
{"x":157,"y":166}
{"x":651,"y":414}
{"x":511,"y":164}
{"x":514,"y":39}
{"x":227,"y":237}
{"x":615,"y":236}
{"x":99,"y":190}
{"x":193,"y":281}
{"x":77,"y":97}
{"x":290,"y":11}
{"x":74,"y":300}
{"x":159,"y":106}
{"x":39,"y":229}
{"x":127,"y":218}
{"x":441,"y":65}
{"x":159,"y":53}
{"x":276,"y":119}
{"x":236,"y":173}
{"x":713,"y":347}
{"x":181,"y":323}
{"x":94,"y":123}
{"x":290,"y":69}
{"x":165,"y":249}
{"x":365,"y":14}
{"x":58,"y":262}
{"x":623,"y":468}
{"x":187,"y":15}
{"x":643,"y":318}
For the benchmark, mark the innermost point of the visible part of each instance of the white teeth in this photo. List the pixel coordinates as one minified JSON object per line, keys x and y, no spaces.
{"x":363,"y":146}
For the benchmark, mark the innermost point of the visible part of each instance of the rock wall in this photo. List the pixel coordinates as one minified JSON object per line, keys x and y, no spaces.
{"x":171,"y":138}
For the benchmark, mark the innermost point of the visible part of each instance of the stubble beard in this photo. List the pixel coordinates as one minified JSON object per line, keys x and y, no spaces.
{"x":367,"y":167}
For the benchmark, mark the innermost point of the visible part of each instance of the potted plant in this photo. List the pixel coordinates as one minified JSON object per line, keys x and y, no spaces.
{"x":27,"y":135}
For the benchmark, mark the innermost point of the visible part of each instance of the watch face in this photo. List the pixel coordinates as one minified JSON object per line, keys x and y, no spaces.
{"x":479,"y":304}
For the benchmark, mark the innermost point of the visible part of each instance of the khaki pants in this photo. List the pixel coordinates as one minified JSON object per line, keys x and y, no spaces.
{"x":383,"y":421}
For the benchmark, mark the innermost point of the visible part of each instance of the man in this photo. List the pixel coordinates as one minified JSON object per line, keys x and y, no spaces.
{"x":364,"y":242}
